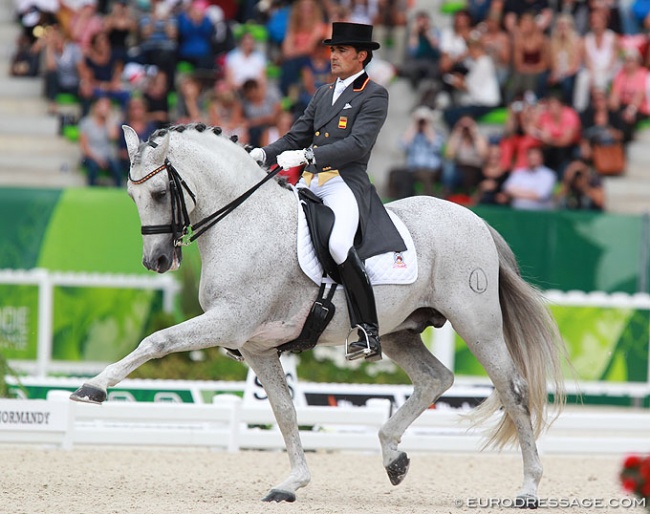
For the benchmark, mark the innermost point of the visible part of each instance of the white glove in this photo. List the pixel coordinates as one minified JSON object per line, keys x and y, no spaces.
{"x":291,"y":159}
{"x":258,"y":154}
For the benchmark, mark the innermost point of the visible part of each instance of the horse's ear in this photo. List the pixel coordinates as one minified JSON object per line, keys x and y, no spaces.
{"x":132,"y":141}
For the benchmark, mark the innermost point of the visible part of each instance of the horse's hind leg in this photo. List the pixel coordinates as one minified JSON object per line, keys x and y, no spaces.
{"x":269,"y":370}
{"x":512,"y":390}
{"x":430,"y":379}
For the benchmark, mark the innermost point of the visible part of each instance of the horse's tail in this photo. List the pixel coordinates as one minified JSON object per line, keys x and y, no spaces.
{"x":534,"y":343}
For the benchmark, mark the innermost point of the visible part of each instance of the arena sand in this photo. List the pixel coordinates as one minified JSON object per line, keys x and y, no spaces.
{"x":163,"y":481}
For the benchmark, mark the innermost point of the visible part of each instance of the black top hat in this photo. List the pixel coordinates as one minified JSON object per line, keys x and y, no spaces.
{"x":352,"y":34}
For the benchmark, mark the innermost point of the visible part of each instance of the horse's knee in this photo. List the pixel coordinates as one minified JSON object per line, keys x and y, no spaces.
{"x":153,"y":347}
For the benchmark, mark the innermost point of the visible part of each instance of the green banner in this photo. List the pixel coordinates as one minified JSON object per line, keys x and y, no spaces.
{"x":19,"y":321}
{"x":603,"y":344}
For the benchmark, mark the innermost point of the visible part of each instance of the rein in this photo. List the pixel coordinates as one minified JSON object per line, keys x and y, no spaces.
{"x":182,"y":230}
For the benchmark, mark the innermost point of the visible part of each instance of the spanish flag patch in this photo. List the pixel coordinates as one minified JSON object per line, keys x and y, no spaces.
{"x":343,"y":122}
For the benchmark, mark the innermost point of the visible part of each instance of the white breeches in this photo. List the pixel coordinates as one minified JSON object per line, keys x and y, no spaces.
{"x":336,"y":194}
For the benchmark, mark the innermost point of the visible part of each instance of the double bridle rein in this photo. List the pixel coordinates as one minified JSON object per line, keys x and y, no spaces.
{"x":182,"y":230}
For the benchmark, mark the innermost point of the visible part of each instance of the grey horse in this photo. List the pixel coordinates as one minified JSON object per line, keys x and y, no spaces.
{"x":255,"y":297}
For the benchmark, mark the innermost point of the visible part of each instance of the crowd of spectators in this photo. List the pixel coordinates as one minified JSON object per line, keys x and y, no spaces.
{"x":571,"y":77}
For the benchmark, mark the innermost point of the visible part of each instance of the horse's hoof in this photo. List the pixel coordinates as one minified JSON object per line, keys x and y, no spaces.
{"x":275,"y":495}
{"x":89,"y":394}
{"x":527,"y":502}
{"x":398,"y":469}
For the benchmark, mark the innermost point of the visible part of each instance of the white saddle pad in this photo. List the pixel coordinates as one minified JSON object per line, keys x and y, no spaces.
{"x":387,"y":268}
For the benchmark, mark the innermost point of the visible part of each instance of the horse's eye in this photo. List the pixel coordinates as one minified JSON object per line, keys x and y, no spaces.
{"x":159,"y":195}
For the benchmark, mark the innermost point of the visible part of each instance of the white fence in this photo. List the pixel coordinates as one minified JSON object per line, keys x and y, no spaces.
{"x":230,"y":424}
{"x":46,"y":281}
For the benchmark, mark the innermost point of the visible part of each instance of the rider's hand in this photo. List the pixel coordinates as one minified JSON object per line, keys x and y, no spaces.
{"x":258,"y":154}
{"x":291,"y":159}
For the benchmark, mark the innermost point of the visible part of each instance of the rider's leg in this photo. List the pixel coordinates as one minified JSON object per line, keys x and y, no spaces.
{"x":358,"y":291}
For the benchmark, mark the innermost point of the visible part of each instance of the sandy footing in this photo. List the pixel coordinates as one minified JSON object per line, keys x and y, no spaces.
{"x":122,"y":480}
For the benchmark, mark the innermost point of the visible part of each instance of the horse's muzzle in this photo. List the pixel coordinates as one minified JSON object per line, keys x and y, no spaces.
{"x":161,"y":262}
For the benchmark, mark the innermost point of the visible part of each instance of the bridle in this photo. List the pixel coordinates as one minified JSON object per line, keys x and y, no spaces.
{"x":182,"y":230}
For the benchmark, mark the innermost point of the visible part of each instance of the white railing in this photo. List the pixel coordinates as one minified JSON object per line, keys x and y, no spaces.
{"x":46,"y":281}
{"x":231,"y":424}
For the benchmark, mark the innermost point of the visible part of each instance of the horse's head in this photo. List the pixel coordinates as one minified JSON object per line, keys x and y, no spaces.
{"x":160,"y":199}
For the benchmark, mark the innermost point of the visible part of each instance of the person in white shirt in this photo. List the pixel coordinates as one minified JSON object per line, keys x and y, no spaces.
{"x":245,"y":63}
{"x":531,"y":188}
{"x":478,"y":91}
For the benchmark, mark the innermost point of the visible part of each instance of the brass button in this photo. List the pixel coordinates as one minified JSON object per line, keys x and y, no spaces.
{"x":318,"y":133}
{"x":327,"y":134}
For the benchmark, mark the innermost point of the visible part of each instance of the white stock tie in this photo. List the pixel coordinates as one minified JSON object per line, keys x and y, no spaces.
{"x":338,"y":89}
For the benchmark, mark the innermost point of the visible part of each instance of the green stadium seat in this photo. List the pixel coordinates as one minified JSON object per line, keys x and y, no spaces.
{"x":452,"y":6}
{"x":495,"y":117}
{"x":71,"y":133}
{"x":184,"y":67}
{"x":258,"y":32}
{"x":66,"y":99}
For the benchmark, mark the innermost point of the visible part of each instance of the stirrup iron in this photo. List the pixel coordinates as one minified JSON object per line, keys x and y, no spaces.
{"x":361,"y":352}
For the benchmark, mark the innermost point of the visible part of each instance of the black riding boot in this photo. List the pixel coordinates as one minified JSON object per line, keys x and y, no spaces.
{"x":361,"y":306}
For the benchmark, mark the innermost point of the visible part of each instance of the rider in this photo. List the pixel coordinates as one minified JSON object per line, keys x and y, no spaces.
{"x":333,"y":138}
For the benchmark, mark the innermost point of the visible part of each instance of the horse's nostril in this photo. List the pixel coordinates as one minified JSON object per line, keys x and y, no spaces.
{"x":162,"y":264}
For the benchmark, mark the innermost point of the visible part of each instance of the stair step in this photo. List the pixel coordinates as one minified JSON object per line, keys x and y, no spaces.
{"x":21,"y":163}
{"x":36,"y":145}
{"x":29,"y":125}
{"x":37,"y":178}
{"x":21,"y":87}
{"x":22,"y":106}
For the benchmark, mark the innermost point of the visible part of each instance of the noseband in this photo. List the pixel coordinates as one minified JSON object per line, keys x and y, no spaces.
{"x":182,"y":230}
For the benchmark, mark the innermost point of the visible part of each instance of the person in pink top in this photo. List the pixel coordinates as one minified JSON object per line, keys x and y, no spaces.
{"x":628,"y":94}
{"x":558,"y":128}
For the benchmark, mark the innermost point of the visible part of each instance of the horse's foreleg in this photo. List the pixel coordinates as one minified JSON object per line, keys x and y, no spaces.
{"x":268,"y":369}
{"x":430,"y":379}
{"x":194,"y":334}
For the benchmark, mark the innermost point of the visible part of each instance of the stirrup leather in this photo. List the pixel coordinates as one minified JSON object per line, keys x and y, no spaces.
{"x":352,"y":355}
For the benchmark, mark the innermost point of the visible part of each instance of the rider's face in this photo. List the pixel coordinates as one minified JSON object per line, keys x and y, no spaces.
{"x":346,"y":61}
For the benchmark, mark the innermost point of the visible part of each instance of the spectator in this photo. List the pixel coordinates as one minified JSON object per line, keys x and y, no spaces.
{"x":498,"y":46}
{"x":223,"y":39}
{"x":85,"y":24}
{"x":530,"y":59}
{"x":362,"y":11}
{"x":465,"y":152}
{"x":120,"y":26}
{"x":305,"y":32}
{"x":101,"y":74}
{"x":581,"y":188}
{"x":517,"y":136}
{"x":478,"y":90}
{"x":276,"y":131}
{"x":422,"y":52}
{"x":531,"y":188}
{"x":539,"y":11}
{"x":25,"y":60}
{"x":188,"y":106}
{"x":195,"y":34}
{"x":315,"y":74}
{"x":245,"y":62}
{"x":157,"y":99}
{"x":490,"y":189}
{"x":453,"y":44}
{"x":558,"y":129}
{"x":138,"y":119}
{"x":422,"y":145}
{"x":261,"y":106}
{"x":602,"y":140}
{"x":97,"y":136}
{"x":63,"y":61}
{"x":601,"y":47}
{"x":225,"y":110}
{"x":158,"y":33}
{"x":565,"y":56}
{"x":480,"y":10}
{"x":628,"y":94}
{"x":579,"y":10}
